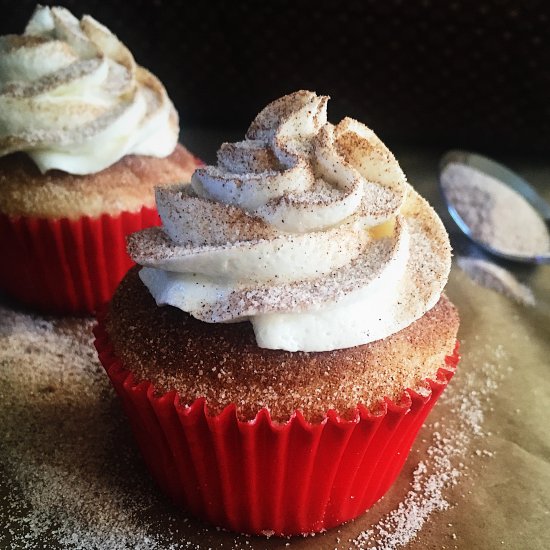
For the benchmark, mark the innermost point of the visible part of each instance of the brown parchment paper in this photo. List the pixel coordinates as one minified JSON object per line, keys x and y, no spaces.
{"x":501,"y":497}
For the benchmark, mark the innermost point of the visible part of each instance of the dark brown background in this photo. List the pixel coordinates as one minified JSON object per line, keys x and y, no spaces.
{"x":462,"y":73}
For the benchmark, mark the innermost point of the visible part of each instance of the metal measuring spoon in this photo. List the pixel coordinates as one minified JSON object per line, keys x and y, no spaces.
{"x":505,"y":176}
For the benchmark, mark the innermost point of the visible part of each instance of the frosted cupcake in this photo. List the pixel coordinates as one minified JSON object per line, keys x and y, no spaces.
{"x":287,"y":334}
{"x":85,"y":135}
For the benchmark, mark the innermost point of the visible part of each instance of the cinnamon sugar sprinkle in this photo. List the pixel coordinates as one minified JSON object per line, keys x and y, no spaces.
{"x":222,"y":363}
{"x":495,"y":214}
{"x":71,"y":477}
{"x":268,"y":296}
{"x":497,"y":278}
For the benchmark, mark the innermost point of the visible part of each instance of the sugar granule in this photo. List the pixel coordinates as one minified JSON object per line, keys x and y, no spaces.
{"x":61,"y":485}
{"x":442,"y":467}
{"x":496,"y":278}
{"x":494,"y":213}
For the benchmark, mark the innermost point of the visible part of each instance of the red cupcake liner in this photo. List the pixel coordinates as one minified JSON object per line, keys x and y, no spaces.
{"x":264,"y":477}
{"x":67,"y":266}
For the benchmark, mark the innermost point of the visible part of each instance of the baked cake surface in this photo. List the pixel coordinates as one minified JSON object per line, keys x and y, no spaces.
{"x":223,"y":363}
{"x":127,"y":185}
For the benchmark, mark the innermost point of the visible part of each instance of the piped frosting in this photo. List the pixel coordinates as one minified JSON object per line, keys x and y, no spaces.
{"x":73,"y":98}
{"x":307,"y":229}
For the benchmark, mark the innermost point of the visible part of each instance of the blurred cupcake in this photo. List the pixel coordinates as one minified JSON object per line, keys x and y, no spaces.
{"x":304,"y":335}
{"x":85,"y":135}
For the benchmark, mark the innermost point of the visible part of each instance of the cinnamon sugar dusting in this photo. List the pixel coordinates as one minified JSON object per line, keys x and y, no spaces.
{"x":494,"y":213}
{"x":88,"y":492}
{"x":127,"y":185}
{"x":272,"y":296}
{"x":247,"y":156}
{"x":223,"y":363}
{"x":490,"y":275}
{"x":267,"y":121}
{"x":217,"y":224}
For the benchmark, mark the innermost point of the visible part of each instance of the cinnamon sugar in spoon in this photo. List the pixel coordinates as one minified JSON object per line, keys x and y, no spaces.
{"x":495,"y":207}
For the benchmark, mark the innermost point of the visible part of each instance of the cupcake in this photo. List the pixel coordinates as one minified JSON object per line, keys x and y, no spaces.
{"x":287,"y":333}
{"x":85,"y":135}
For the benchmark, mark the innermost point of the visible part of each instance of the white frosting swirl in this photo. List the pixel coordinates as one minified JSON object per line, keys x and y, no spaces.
{"x":307,"y":229}
{"x":73,"y":98}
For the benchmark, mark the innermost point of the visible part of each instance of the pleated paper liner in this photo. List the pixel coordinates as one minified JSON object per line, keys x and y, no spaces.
{"x":261,"y":476}
{"x":67,"y":266}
